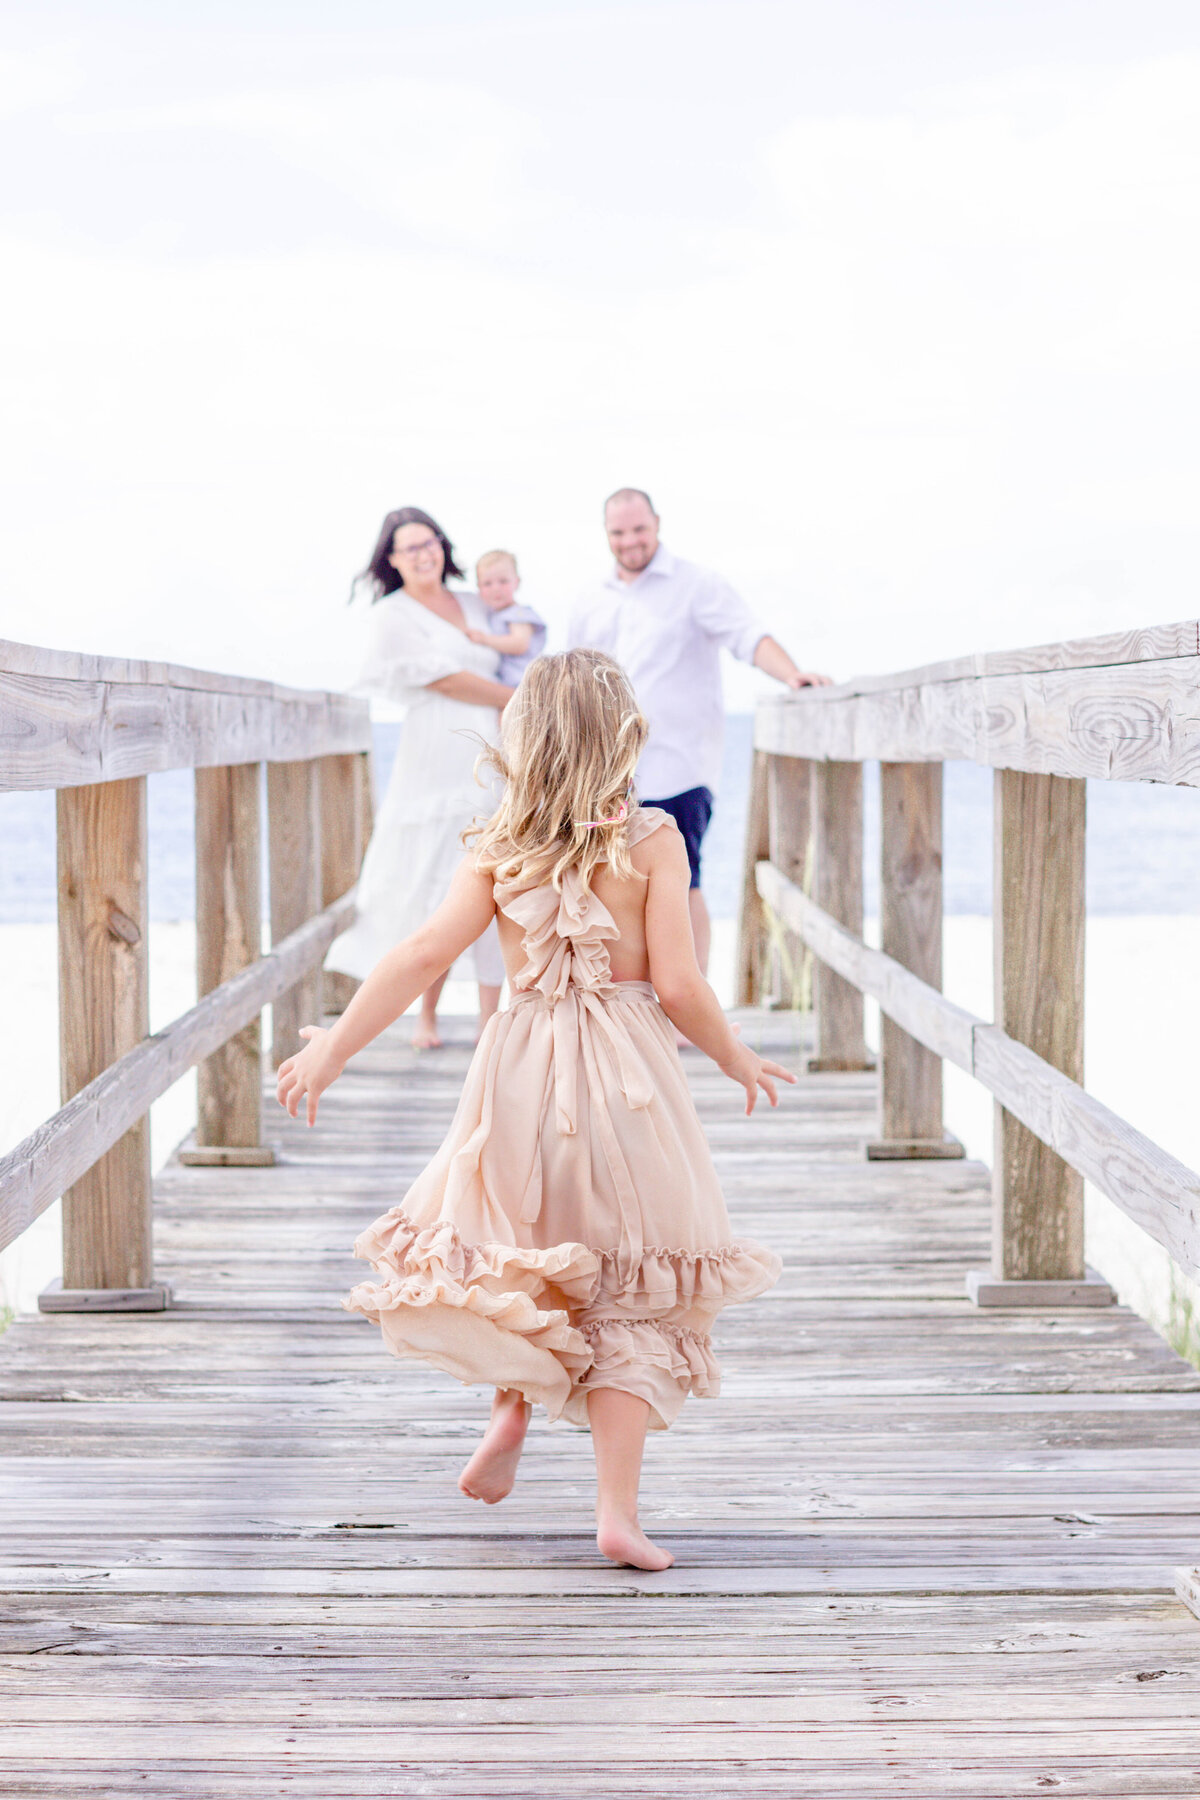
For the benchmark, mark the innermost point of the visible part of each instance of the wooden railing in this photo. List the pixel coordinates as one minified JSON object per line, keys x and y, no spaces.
{"x":1120,"y":708}
{"x":93,"y":728}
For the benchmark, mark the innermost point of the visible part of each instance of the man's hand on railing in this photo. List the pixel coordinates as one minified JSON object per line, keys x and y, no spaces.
{"x":773,"y":660}
{"x":309,"y":1072}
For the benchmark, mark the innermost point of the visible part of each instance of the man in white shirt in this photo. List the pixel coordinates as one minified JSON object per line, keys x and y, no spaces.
{"x":666,"y":621}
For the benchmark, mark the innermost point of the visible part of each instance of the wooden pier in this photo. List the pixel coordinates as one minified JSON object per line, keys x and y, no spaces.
{"x":922,"y":1550}
{"x":937,"y":1535}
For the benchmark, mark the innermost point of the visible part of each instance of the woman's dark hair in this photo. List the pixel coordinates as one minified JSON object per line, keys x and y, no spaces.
{"x":379,"y":571}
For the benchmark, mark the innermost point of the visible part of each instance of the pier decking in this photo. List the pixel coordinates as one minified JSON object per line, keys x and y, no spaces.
{"x":923,"y":1549}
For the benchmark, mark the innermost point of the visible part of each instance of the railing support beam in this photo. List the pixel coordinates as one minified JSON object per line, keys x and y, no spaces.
{"x":837,"y":816}
{"x":228,"y":939}
{"x":294,"y":831}
{"x":789,"y":835}
{"x":1039,"y":921}
{"x":103,"y":1009}
{"x":752,"y":930}
{"x":910,"y":905}
{"x":343,"y":803}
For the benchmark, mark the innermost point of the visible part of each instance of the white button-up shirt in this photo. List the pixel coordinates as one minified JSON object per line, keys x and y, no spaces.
{"x":667,"y":628}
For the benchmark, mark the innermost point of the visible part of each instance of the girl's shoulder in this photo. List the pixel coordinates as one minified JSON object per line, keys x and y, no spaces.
{"x":654,"y":841}
{"x":644,"y":822}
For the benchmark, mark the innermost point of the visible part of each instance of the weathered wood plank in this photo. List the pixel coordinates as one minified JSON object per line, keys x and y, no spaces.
{"x":343,"y":782}
{"x":837,"y":833}
{"x":110,"y":720}
{"x":50,"y":1158}
{"x":739,"y":1742}
{"x":79,"y":665}
{"x":920,"y":1010}
{"x":228,"y":939}
{"x":1154,"y":643}
{"x":1127,"y":722}
{"x":294,"y":830}
{"x":957,"y":1775}
{"x":1157,"y":1191}
{"x":790,"y":848}
{"x":911,"y":933}
{"x":1040,"y":917}
{"x":104,"y":1011}
{"x":1133,"y":1625}
{"x":752,"y":931}
{"x":75,"y":1698}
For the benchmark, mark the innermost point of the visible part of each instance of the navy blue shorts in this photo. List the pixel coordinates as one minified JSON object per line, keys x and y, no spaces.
{"x":691,"y":812}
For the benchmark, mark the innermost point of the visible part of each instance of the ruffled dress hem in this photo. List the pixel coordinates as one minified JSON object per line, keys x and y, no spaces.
{"x":555,"y":1323}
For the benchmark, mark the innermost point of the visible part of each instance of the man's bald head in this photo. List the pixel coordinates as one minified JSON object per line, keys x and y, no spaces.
{"x":632,"y":526}
{"x":623,"y":494}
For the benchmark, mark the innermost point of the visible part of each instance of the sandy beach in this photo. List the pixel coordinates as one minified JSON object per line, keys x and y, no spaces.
{"x":1143,"y":991}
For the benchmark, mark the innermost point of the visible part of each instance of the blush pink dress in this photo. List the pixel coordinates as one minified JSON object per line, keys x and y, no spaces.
{"x":570,"y":1233}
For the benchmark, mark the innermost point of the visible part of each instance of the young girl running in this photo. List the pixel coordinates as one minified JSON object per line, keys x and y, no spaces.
{"x":569,"y":1243}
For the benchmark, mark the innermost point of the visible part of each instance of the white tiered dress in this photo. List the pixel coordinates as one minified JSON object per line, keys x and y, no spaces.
{"x":570,"y":1233}
{"x":433,"y":794}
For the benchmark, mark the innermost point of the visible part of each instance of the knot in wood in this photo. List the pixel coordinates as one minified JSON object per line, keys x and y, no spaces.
{"x":122,"y":927}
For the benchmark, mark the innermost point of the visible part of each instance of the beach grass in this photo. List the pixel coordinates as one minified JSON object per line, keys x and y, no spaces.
{"x":1181,"y":1327}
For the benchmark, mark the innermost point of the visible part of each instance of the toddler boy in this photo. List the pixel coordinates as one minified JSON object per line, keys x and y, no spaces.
{"x":522,"y":633}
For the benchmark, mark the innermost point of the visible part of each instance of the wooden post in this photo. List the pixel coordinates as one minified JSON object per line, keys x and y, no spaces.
{"x":837,"y":813}
{"x":367,"y":800}
{"x":294,"y":830}
{"x":103,"y":1010}
{"x":910,"y":906}
{"x":789,"y":811}
{"x":228,"y":938}
{"x":342,"y":802}
{"x":752,"y":930}
{"x":1037,"y":1199}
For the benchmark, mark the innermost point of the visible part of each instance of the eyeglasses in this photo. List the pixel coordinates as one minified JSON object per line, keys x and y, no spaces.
{"x":429,"y":543}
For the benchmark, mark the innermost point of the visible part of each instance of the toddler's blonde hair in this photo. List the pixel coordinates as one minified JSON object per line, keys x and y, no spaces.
{"x":569,"y":744}
{"x":494,"y":556}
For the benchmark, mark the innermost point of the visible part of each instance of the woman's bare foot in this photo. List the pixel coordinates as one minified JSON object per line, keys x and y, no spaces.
{"x":426,"y":1035}
{"x":490,"y":1474}
{"x":624,"y":1541}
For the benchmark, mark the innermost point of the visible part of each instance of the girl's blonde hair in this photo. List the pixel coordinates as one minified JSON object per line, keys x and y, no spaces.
{"x":569,"y":744}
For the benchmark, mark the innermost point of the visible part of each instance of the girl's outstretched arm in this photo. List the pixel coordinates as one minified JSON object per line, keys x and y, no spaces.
{"x":390,"y":989}
{"x":685,"y":995}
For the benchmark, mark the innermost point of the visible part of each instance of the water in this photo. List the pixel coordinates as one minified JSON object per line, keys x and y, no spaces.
{"x":1143,"y":841}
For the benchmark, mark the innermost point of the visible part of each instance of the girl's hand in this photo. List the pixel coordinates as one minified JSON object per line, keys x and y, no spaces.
{"x":754,"y":1072}
{"x":475,"y":635}
{"x":309,"y":1072}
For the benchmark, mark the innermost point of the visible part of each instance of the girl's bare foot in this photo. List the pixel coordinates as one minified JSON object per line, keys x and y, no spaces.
{"x":624,"y":1541}
{"x":490,"y":1474}
{"x":426,"y":1035}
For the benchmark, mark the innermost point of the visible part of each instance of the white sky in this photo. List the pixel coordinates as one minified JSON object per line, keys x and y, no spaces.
{"x":891,"y":304}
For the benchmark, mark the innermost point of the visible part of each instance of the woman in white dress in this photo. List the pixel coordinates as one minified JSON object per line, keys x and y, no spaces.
{"x":419,"y":655}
